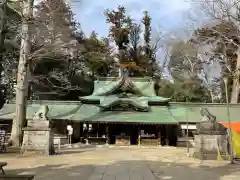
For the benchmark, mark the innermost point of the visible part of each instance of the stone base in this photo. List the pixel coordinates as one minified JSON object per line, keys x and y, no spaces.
{"x":208,"y":146}
{"x":210,"y":156}
{"x":37,"y":142}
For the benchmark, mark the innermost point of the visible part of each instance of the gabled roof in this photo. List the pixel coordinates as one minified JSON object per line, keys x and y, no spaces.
{"x":136,"y":102}
{"x":145,"y":85}
{"x":142,"y":87}
{"x":103,"y":87}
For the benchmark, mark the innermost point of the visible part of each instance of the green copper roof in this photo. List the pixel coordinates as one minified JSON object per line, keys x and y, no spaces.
{"x":141,"y":86}
{"x":145,"y":87}
{"x":113,"y":100}
{"x":108,"y":100}
{"x":91,"y":98}
{"x":102,"y":87}
{"x":56,"y":111}
{"x":158,"y":99}
{"x":140,"y":102}
{"x":155,"y":116}
{"x":8,"y":111}
{"x":81,"y":112}
{"x":85,"y":112}
{"x":191,"y":111}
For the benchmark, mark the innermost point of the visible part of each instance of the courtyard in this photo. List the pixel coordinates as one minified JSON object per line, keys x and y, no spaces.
{"x":121,"y":163}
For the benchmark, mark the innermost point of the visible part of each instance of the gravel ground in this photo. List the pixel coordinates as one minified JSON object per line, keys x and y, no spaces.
{"x":121,"y":163}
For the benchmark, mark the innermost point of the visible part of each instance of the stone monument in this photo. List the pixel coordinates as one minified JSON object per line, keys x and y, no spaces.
{"x":210,"y":139}
{"x":38,"y":136}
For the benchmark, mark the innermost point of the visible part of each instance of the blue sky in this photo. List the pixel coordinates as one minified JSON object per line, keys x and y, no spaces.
{"x":166,"y":14}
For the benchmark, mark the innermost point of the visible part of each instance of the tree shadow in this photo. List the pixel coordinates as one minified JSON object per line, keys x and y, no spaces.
{"x":139,"y":170}
{"x":75,"y":151}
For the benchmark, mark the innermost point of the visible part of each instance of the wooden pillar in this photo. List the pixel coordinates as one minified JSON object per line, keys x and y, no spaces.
{"x":97,"y":130}
{"x":81,"y":132}
{"x":159,"y":137}
{"x":167,"y":135}
{"x":87,"y":133}
{"x":76,"y":131}
{"x":107,"y":134}
{"x":139,"y":136}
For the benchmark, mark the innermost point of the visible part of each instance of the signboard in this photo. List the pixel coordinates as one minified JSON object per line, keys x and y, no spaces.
{"x":90,"y":127}
{"x":69,"y":127}
{"x":189,"y":126}
{"x":70,"y":131}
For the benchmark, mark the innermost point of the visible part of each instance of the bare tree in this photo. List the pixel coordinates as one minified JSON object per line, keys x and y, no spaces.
{"x":223,"y":35}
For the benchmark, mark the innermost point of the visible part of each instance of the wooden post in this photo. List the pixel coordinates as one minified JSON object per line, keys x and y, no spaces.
{"x":87,"y":133}
{"x":139,"y":136}
{"x":81,"y":132}
{"x":167,"y":135}
{"x":107,"y":135}
{"x":159,"y":137}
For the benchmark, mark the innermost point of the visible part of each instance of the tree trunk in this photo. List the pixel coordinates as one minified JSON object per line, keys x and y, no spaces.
{"x":22,"y":77}
{"x":235,"y":85}
{"x":212,"y":96}
{"x":2,"y":31}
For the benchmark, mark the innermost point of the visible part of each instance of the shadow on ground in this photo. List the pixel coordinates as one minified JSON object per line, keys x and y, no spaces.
{"x":137,"y":170}
{"x":74,"y":151}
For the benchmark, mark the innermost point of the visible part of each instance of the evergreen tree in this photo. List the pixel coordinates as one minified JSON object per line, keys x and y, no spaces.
{"x":60,"y":45}
{"x":54,"y":22}
{"x":55,"y":48}
{"x":10,"y":20}
{"x":97,"y":55}
{"x":126,"y":34}
{"x":119,"y":30}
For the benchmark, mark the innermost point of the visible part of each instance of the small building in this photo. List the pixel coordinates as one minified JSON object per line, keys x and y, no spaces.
{"x":124,"y":111}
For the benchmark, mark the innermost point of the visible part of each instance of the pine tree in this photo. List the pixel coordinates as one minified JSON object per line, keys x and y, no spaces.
{"x":54,"y":46}
{"x":54,"y":22}
{"x":148,"y":49}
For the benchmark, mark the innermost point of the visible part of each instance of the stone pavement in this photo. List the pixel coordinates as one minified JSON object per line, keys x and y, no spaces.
{"x":122,"y":163}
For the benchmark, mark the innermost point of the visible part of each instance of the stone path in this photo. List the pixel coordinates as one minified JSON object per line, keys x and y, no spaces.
{"x":117,"y":163}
